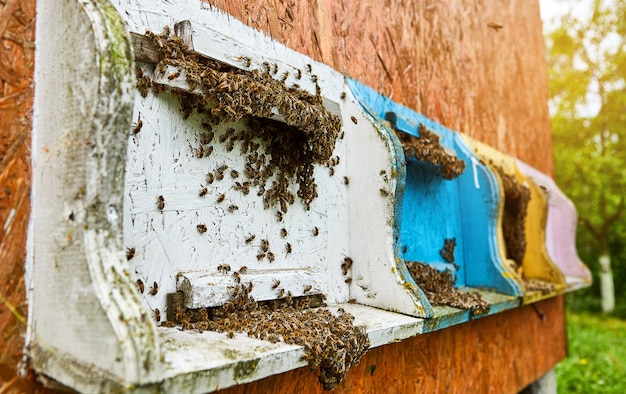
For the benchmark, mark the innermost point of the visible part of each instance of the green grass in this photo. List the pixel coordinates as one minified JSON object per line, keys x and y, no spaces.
{"x":597,"y":355}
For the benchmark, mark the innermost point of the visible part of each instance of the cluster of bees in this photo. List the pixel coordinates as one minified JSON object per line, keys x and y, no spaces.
{"x":332,"y":343}
{"x":306,"y":137}
{"x":539,"y":285}
{"x":439,"y":289}
{"x":427,"y":148}
{"x":447,"y":252}
{"x":516,"y":198}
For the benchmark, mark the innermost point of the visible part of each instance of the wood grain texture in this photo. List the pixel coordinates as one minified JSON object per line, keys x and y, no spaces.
{"x":438,"y":58}
{"x":496,"y":354}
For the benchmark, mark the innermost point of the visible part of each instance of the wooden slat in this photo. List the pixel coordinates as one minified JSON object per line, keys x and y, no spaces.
{"x":145,"y":49}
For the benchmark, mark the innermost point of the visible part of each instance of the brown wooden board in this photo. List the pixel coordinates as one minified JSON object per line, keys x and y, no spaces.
{"x":441,"y":59}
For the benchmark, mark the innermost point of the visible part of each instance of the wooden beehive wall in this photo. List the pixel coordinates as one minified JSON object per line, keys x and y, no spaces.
{"x":438,"y":58}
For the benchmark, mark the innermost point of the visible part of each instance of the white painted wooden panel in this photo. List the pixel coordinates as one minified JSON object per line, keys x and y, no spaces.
{"x":162,"y":161}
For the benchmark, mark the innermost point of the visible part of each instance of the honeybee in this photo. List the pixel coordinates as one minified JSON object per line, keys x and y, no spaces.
{"x":342,"y":95}
{"x":154,"y":289}
{"x":234,"y":174}
{"x":243,"y":270}
{"x":288,"y":248}
{"x":270,"y":256}
{"x":210,"y":177}
{"x":299,"y":72}
{"x":138,"y":125}
{"x":130,"y":253}
{"x":173,"y":75}
{"x":237,"y":277}
{"x":250,"y":238}
{"x":223,"y":268}
{"x":495,"y":26}
{"x":283,"y":232}
{"x":316,"y":231}
{"x":279,"y":216}
{"x":265,"y":245}
{"x":201,"y":228}
{"x":203,"y":192}
{"x":346,"y":180}
{"x":275,"y":283}
{"x":281,"y":292}
{"x":384,"y":192}
{"x":160,"y":203}
{"x":307,"y":288}
{"x":246,"y":61}
{"x":157,"y":315}
{"x":260,"y":256}
{"x":140,"y":286}
{"x":233,"y":208}
{"x":348,"y":280}
{"x":220,"y":198}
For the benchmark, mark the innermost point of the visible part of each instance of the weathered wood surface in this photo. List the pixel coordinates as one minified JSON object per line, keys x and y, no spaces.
{"x":440,"y":59}
{"x":166,"y":240}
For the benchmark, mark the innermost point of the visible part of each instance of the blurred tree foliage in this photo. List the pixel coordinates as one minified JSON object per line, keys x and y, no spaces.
{"x":587,"y":79}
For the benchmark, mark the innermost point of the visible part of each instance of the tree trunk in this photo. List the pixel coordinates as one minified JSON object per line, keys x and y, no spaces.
{"x":607,"y":290}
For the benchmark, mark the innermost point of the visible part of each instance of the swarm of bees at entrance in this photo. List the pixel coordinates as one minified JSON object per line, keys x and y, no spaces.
{"x":307,"y":136}
{"x":332,"y":343}
{"x":439,"y":289}
{"x":516,"y":198}
{"x":428,"y":148}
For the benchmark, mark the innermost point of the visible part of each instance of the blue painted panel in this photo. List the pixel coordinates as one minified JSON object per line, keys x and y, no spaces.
{"x":435,"y":209}
{"x":429,"y":217}
{"x":480,"y":196}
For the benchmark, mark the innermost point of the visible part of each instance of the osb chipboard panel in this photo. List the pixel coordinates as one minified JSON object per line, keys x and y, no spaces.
{"x":501,"y":353}
{"x":439,"y":58}
{"x":17,"y":29}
